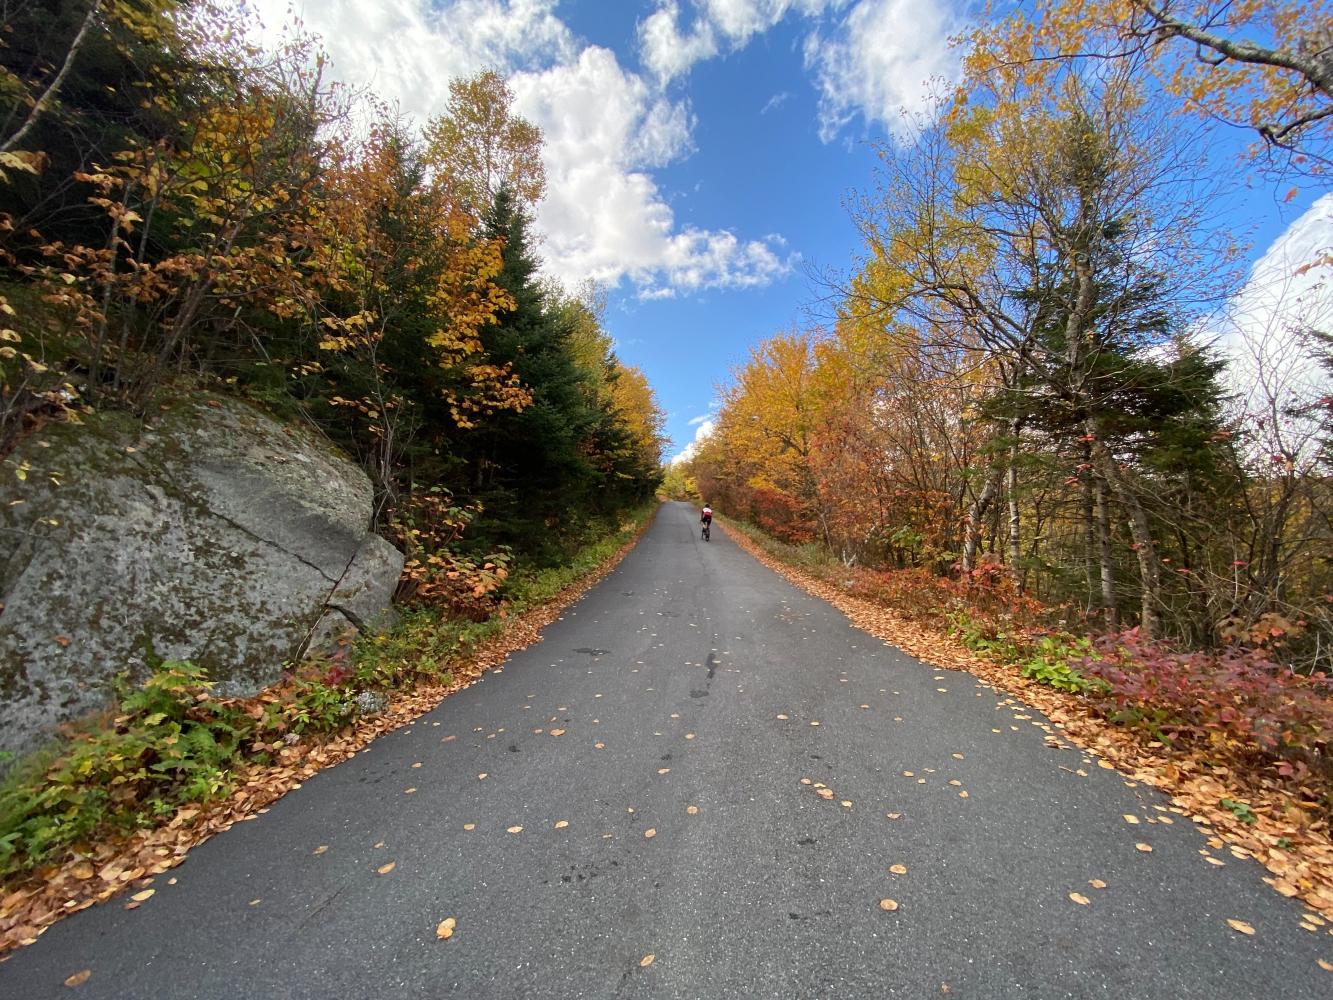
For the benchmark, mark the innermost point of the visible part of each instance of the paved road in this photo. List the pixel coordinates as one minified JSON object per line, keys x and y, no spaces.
{"x":669,"y":681}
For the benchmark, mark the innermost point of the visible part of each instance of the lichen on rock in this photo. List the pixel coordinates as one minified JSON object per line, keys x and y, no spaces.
{"x":211,"y":533}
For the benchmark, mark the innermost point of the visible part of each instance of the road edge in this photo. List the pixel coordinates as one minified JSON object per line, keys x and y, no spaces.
{"x":1195,"y":794}
{"x":28,"y":909}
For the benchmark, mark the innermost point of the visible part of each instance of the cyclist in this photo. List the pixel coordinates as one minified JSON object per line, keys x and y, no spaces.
{"x":706,"y":519}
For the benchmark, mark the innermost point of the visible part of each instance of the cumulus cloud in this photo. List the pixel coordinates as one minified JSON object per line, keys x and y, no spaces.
{"x":668,"y":50}
{"x":879,"y":63}
{"x":408,"y":50}
{"x":603,"y":215}
{"x":605,"y":128}
{"x":703,"y":431}
{"x":1289,"y":291}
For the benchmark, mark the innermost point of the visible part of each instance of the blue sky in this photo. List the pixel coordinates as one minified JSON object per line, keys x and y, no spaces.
{"x":699,"y":152}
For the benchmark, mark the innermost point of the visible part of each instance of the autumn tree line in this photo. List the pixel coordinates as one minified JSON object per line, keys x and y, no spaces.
{"x":1017,"y":386}
{"x":180,"y":208}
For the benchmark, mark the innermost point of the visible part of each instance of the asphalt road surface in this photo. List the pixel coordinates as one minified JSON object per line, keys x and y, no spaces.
{"x":693,"y":690}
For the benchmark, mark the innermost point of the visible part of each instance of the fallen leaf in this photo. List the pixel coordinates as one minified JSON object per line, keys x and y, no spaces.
{"x":962,"y":794}
{"x":1215,"y":861}
{"x":692,"y":810}
{"x":1326,"y":966}
{"x":514,"y":829}
{"x":385,"y":869}
{"x":321,"y":848}
{"x":83,"y":870}
{"x":255,"y":902}
{"x":650,"y":833}
{"x":814,"y":723}
{"x":446,"y":929}
{"x":893,"y":815}
{"x":1079,"y":898}
{"x":469,"y":826}
{"x":663,"y":770}
{"x":805,"y":781}
{"x":957,"y":756}
{"x":1145,"y":848}
{"x":888,"y":904}
{"x":139,"y":897}
{"x":79,"y":978}
{"x":599,"y":746}
{"x":646,"y":961}
{"x":1130,"y":819}
{"x":1240,"y":925}
{"x":1096,"y":883}
{"x":557,"y":732}
{"x":417,"y":764}
{"x":898,"y":869}
{"x":825,"y":793}
{"x":482,"y":776}
{"x":409,"y":791}
{"x":783,"y":717}
{"x":846,"y":803}
{"x":560,"y":824}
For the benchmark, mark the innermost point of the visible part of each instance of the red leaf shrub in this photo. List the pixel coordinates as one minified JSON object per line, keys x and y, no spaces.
{"x":1234,"y":694}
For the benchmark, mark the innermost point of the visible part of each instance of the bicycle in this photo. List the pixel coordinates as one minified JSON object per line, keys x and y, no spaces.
{"x":706,"y":531}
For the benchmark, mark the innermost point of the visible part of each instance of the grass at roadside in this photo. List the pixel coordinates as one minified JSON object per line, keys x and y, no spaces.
{"x":173,"y":745}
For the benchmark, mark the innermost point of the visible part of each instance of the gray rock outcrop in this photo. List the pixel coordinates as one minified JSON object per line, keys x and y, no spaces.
{"x":211,"y":533}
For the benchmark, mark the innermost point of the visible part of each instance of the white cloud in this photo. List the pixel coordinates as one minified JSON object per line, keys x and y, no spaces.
{"x":605,"y":128}
{"x":879,"y":63}
{"x":696,"y":421}
{"x":701,"y":433}
{"x":603,"y":215}
{"x":1288,"y":291}
{"x":775,"y":102}
{"x":667,"y":51}
{"x":408,"y":50}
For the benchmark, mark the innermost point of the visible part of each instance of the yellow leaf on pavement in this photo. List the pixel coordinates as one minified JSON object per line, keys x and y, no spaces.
{"x":79,"y":978}
{"x":446,"y":929}
{"x":1240,"y":925}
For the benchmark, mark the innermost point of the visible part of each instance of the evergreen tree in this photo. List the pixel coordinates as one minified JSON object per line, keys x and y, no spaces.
{"x":532,"y":469}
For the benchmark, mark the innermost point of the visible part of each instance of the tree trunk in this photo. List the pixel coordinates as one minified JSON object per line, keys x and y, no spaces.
{"x":1110,"y":606}
{"x":1150,"y":570}
{"x":972,"y":529}
{"x":43,"y":103}
{"x":1015,"y":524}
